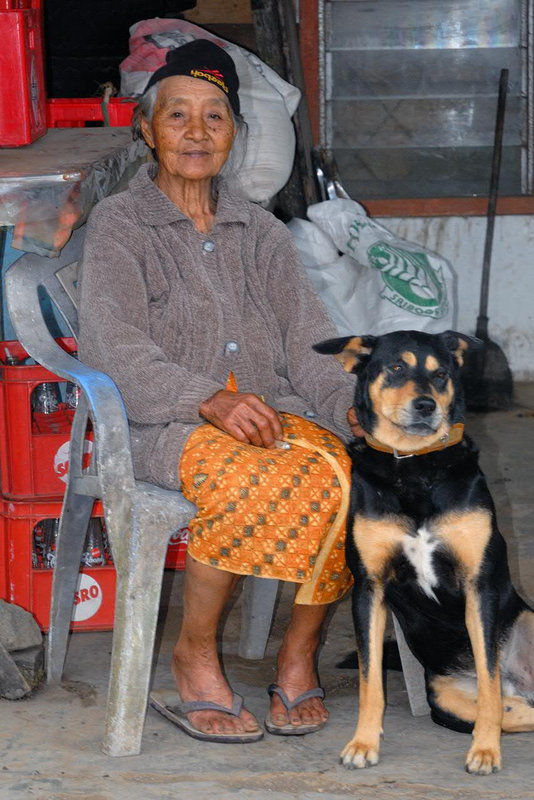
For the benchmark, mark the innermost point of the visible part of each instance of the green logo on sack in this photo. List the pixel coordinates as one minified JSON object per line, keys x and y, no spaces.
{"x":410,"y":281}
{"x":354,"y":232}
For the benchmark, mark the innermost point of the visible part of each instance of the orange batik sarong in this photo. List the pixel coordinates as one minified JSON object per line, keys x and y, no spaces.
{"x":271,"y":513}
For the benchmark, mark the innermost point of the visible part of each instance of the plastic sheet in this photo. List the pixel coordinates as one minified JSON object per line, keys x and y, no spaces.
{"x":48,"y":188}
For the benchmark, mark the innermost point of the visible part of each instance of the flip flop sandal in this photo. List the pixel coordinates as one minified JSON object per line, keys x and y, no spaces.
{"x":169,"y":703}
{"x":292,"y":730}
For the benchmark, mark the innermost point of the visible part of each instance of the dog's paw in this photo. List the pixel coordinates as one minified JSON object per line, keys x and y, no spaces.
{"x":357,"y":755}
{"x":483,"y":760}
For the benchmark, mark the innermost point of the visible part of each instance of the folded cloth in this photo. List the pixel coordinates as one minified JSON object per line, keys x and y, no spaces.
{"x":273,"y":513}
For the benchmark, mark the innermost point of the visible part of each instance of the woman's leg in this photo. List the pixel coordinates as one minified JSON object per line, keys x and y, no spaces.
{"x":296,"y":667}
{"x":195,"y":665}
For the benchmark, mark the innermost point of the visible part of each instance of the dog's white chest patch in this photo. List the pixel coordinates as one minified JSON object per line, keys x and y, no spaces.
{"x":419,"y":550}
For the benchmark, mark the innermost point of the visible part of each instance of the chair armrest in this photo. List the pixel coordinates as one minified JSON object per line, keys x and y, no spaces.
{"x":111,"y":430}
{"x":110,"y":423}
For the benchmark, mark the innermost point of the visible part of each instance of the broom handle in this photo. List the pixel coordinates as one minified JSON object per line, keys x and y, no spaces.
{"x":482,"y":321}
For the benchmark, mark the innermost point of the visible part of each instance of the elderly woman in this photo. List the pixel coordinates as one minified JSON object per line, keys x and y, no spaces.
{"x":194,"y":302}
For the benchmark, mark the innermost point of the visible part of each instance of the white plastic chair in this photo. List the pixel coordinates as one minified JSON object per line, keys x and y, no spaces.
{"x":140,"y":517}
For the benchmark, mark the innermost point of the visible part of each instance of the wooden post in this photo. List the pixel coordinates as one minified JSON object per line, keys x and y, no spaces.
{"x":309,"y":51}
{"x":227,"y":12}
{"x":277,"y":45}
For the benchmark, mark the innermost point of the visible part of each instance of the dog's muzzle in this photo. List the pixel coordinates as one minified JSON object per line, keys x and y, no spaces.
{"x":422,"y":417}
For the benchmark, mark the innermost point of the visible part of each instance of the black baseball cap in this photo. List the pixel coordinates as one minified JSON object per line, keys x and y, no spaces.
{"x":206,"y":61}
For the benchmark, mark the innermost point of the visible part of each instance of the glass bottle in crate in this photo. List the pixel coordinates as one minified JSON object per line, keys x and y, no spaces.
{"x":51,"y":527}
{"x":107,"y":545}
{"x":46,"y":398}
{"x":45,"y":403}
{"x":10,"y":360}
{"x":93,"y":553}
{"x":38,"y":544}
{"x":72,"y":395}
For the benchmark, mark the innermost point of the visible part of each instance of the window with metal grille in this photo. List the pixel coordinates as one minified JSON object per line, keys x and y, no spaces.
{"x":410,"y":94}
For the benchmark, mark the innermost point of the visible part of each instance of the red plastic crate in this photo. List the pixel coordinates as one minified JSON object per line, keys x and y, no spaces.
{"x":30,"y":588}
{"x":76,"y":111}
{"x":3,"y":560}
{"x":22,"y":90}
{"x":33,"y":450}
{"x":94,"y":603}
{"x":34,"y":457}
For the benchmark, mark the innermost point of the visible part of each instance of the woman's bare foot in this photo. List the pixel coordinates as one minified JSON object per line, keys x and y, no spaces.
{"x":195,"y":664}
{"x":296,"y":671}
{"x":198,"y":676}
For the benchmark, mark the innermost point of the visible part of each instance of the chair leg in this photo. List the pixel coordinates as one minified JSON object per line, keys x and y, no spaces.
{"x":414,"y":675}
{"x":71,"y":536}
{"x":259,"y":597}
{"x":136,"y":615}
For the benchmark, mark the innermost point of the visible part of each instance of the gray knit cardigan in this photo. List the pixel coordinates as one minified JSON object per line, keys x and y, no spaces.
{"x":167,"y":312}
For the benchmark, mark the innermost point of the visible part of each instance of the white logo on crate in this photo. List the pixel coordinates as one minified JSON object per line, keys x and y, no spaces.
{"x":179,"y":537}
{"x":87,"y":598}
{"x":61,"y":459}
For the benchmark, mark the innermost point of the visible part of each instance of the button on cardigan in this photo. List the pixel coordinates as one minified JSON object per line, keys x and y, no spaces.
{"x":160,"y":302}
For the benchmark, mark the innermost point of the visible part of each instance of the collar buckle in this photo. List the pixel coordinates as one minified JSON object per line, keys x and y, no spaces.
{"x":406,"y":455}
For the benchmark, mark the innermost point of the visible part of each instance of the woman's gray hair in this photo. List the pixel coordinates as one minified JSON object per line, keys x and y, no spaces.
{"x":144,"y":108}
{"x":230,"y":170}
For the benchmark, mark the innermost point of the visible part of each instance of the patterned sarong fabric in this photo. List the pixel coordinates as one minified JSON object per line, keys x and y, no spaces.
{"x":272,"y":513}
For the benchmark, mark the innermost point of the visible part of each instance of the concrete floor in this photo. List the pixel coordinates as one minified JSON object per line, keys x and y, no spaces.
{"x":49,"y":743}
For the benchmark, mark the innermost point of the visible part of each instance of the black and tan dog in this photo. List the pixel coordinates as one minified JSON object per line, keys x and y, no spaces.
{"x":422,"y":538}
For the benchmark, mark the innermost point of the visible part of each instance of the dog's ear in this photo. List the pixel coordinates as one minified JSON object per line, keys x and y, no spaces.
{"x":347,"y":349}
{"x":458,"y":343}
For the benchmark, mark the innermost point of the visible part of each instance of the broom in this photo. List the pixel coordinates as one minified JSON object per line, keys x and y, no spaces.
{"x":487,"y":377}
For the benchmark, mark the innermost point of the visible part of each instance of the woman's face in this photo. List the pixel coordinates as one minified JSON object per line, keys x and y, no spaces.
{"x":192,"y":128}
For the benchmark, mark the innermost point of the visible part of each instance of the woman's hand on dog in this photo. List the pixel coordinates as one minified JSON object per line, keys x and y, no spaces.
{"x":244,"y":416}
{"x":352,"y":419}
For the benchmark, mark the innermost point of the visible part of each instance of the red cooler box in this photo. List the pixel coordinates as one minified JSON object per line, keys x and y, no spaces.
{"x":22,"y":89}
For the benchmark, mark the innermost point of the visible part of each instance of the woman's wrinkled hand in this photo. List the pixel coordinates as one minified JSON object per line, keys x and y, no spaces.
{"x":244,"y":416}
{"x":355,"y":427}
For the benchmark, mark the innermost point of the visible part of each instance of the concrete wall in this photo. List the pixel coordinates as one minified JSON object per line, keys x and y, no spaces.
{"x":511,"y":297}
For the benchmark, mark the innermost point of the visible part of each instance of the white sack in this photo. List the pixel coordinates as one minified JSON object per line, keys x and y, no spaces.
{"x":314,"y":246}
{"x":381,"y":283}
